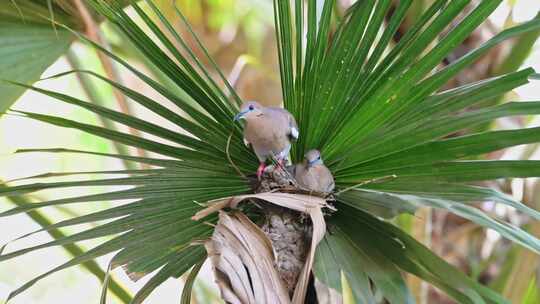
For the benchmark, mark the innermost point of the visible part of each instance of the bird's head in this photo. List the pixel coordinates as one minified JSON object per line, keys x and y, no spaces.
{"x":313,"y":158}
{"x":248,"y":110}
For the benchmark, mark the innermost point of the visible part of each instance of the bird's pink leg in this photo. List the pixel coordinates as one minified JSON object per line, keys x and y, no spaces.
{"x":260,"y":170}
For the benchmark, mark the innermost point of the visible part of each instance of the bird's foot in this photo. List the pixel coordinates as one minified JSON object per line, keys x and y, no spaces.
{"x":260,"y":170}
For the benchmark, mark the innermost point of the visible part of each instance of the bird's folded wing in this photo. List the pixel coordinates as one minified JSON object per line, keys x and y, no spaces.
{"x":293,"y":128}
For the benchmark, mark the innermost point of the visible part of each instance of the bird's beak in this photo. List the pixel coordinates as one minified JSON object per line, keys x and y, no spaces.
{"x":239,"y":116}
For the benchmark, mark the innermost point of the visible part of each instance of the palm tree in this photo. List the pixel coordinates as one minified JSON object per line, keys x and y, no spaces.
{"x":372,"y":107}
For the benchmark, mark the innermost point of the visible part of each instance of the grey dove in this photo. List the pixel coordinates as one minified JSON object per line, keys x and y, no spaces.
{"x":312,"y":174}
{"x":269,"y":130}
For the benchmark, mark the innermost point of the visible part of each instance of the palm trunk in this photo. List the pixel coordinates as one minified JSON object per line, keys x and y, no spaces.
{"x":269,"y":262}
{"x":288,"y":230}
{"x":290,"y":234}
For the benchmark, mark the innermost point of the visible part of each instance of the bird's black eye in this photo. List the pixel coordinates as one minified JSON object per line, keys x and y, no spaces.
{"x":319,"y":157}
{"x":251,"y":107}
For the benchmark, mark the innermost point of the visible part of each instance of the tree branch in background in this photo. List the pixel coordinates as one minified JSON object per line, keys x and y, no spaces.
{"x":89,"y":90}
{"x":93,"y":33}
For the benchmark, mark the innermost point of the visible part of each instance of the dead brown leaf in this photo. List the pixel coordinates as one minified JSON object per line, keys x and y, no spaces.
{"x":238,"y":244}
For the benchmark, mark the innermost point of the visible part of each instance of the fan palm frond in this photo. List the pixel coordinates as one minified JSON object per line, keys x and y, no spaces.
{"x":374,"y":110}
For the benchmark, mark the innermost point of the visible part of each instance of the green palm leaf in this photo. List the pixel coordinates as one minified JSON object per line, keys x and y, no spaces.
{"x":29,"y":43}
{"x":373,"y":109}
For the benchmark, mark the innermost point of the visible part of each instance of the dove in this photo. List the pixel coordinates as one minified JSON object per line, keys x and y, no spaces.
{"x":312,"y":174}
{"x":269,"y":131}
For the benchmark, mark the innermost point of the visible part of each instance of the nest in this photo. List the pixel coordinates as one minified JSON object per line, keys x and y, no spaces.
{"x":277,"y":179}
{"x":273,"y":258}
{"x":289,"y":231}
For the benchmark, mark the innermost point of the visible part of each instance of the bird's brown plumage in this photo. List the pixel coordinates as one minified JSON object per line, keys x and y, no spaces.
{"x":312,"y":174}
{"x":269,"y":130}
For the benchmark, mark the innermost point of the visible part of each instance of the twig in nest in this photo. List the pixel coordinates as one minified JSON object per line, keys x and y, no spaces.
{"x":298,"y":190}
{"x":229,"y":156}
{"x":375,"y":180}
{"x":277,"y":164}
{"x":200,"y":204}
